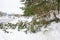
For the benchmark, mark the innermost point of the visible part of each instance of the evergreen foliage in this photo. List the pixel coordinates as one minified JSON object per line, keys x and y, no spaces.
{"x":40,"y":9}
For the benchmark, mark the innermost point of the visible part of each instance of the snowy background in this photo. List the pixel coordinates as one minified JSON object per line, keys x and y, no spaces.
{"x":12,"y":6}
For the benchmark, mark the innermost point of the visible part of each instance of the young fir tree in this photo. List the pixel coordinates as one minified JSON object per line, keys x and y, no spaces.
{"x":40,"y":9}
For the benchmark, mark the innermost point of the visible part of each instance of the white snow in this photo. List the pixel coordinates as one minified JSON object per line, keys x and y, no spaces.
{"x":53,"y":33}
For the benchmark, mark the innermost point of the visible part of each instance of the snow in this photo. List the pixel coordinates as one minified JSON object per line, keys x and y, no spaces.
{"x":5,"y":19}
{"x":14,"y":20}
{"x":53,"y":33}
{"x":21,"y":36}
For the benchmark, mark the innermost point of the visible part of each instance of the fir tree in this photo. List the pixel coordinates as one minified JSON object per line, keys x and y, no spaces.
{"x":40,"y":9}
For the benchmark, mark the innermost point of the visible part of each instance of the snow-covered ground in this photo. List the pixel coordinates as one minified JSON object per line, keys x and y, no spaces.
{"x":52,"y":31}
{"x":14,"y":20}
